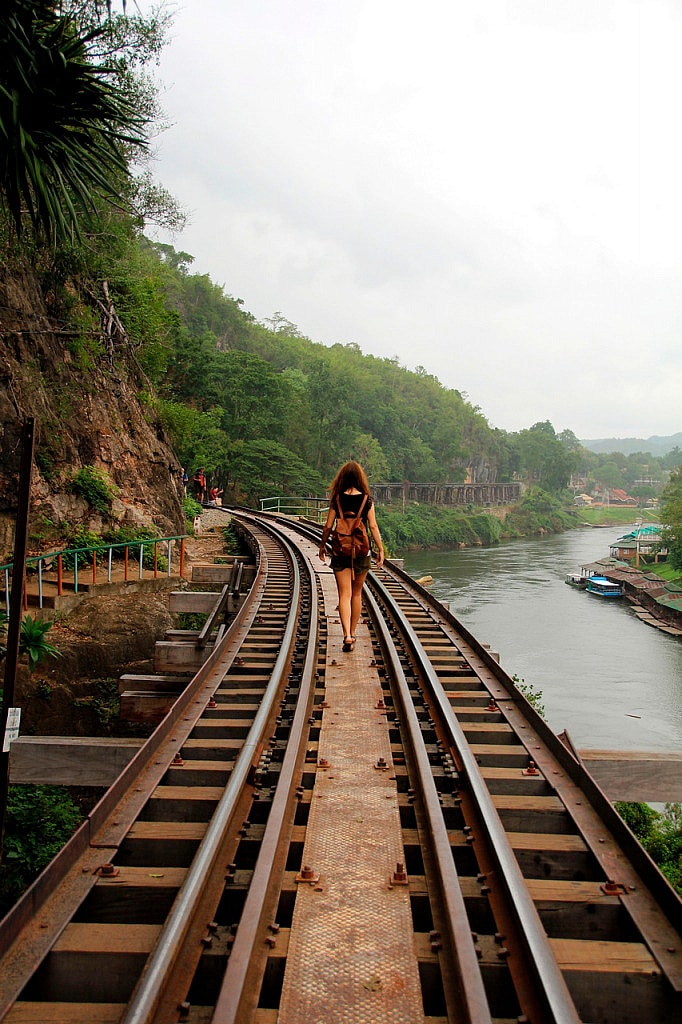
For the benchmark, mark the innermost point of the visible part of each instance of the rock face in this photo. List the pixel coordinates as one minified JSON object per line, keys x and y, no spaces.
{"x":88,"y":411}
{"x":103,"y":637}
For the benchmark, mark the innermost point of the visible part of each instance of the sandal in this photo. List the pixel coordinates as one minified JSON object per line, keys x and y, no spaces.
{"x":349,"y":644}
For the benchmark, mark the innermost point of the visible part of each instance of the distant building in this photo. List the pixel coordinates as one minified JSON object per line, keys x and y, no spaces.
{"x":643,"y":543}
{"x":617,"y":496}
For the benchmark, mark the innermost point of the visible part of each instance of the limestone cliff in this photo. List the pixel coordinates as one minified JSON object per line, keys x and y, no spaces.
{"x":89,"y":411}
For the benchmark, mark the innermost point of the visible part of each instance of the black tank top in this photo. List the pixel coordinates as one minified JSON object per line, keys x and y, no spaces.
{"x":350,"y":505}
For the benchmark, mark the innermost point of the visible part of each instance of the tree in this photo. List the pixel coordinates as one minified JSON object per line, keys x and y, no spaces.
{"x":367,"y":451}
{"x":66,"y":127}
{"x":671,"y":516}
{"x":265,"y":468}
{"x":543,"y":457}
{"x":609,"y":475}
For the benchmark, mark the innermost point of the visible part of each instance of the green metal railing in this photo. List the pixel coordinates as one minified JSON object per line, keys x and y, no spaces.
{"x":311,"y":508}
{"x":95,"y":557}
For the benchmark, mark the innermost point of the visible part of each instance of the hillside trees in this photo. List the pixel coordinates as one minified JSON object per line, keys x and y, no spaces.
{"x":671,"y":515}
{"x":543,"y":458}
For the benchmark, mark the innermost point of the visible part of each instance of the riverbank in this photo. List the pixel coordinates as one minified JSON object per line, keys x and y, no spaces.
{"x":415,"y":527}
{"x":656,"y":601}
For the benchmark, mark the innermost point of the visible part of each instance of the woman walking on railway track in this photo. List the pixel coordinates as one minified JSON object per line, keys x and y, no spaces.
{"x":351,"y":511}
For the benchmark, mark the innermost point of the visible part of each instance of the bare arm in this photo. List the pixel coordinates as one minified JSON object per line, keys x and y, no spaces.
{"x":376,"y":535}
{"x":331,"y":516}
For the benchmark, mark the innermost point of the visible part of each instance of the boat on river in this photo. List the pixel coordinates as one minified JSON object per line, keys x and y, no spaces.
{"x":603,"y":587}
{"x":577,"y":579}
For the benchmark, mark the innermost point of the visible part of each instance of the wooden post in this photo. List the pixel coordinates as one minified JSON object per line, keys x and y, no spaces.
{"x":14,"y":624}
{"x":182,"y":556}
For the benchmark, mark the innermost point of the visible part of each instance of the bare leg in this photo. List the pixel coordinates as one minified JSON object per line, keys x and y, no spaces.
{"x":344,"y":586}
{"x":356,"y":601}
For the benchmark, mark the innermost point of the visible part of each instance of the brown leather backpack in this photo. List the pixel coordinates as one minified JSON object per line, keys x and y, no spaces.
{"x":350,"y":538}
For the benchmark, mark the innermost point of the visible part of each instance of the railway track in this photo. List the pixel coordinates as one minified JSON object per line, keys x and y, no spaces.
{"x":388,"y":835}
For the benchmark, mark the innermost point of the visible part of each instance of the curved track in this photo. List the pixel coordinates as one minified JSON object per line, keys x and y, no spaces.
{"x":527,"y":897}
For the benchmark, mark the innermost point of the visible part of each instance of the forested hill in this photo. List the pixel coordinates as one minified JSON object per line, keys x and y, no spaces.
{"x":630,"y":445}
{"x":265,"y":409}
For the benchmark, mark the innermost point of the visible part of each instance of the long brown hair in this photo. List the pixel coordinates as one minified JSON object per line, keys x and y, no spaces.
{"x":350,"y":475}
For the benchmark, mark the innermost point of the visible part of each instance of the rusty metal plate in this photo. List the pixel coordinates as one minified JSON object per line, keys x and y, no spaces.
{"x":351,"y":950}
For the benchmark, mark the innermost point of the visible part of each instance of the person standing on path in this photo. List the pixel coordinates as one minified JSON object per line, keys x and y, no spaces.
{"x":349,"y":498}
{"x":199,"y":485}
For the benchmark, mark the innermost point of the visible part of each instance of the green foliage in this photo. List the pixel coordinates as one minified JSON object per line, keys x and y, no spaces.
{"x":104,"y":702}
{"x":538,"y":512}
{"x":191,"y":620}
{"x":266,"y":467}
{"x":533,"y":696}
{"x":40,"y":820}
{"x":660,"y":833}
{"x":666,"y":571}
{"x":94,"y":485}
{"x":615,"y":515}
{"x":80,"y":537}
{"x":671,"y":515}
{"x":545,"y":460}
{"x":425,"y":526}
{"x":192,"y":509}
{"x":33,"y":642}
{"x":234,"y":543}
{"x":64,"y":122}
{"x":43,"y":689}
{"x":132,"y":535}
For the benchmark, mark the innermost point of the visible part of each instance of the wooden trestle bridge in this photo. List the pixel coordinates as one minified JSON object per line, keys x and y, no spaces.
{"x":309,"y":836}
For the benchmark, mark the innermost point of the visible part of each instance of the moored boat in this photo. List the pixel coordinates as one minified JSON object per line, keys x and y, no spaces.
{"x":603,"y":587}
{"x":576,"y":579}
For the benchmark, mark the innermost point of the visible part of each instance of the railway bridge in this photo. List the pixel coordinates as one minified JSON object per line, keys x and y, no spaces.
{"x":479,"y":494}
{"x":387,"y":835}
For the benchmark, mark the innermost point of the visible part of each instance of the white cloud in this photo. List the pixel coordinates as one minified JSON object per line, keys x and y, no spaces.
{"x":489,"y":190}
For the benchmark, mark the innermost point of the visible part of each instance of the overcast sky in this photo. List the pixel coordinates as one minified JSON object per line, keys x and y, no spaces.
{"x":490,"y":190}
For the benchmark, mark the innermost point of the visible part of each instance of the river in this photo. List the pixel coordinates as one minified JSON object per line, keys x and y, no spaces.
{"x":610,"y":680}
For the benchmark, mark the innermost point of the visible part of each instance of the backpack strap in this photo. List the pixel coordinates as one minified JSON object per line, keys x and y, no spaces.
{"x":359,"y":512}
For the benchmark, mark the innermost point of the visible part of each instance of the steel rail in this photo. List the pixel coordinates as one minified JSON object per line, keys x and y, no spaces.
{"x":660,"y":928}
{"x":551,"y":985}
{"x":472,"y":1002}
{"x":149,"y":990}
{"x":110,"y":819}
{"x":238,"y":984}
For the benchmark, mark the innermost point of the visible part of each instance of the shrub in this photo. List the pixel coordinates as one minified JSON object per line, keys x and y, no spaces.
{"x":132,"y":535}
{"x":40,"y":819}
{"x":80,"y":537}
{"x":192,"y":509}
{"x":32,"y":641}
{"x":104,"y":701}
{"x":533,"y":696}
{"x":660,"y":833}
{"x":94,"y":485}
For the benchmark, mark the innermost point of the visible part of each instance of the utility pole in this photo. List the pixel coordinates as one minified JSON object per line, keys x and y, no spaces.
{"x":16,"y":599}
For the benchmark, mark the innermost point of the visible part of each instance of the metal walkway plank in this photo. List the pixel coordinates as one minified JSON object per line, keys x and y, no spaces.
{"x":348,"y":954}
